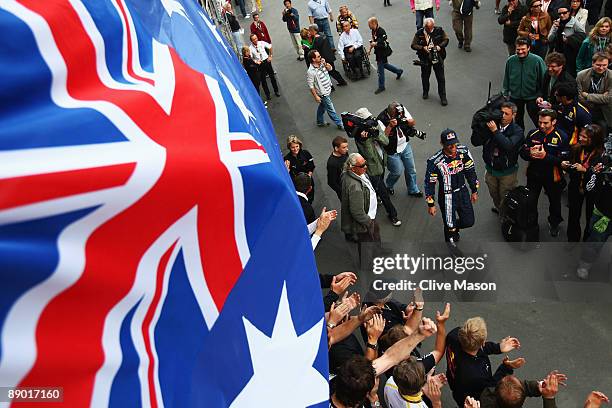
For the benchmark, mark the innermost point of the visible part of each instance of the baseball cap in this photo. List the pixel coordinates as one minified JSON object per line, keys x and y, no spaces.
{"x":448,"y":137}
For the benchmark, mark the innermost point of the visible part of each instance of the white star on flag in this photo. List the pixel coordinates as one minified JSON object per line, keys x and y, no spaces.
{"x":283,"y":374}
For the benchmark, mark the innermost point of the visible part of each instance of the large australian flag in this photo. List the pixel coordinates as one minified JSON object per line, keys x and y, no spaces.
{"x":152,"y":249}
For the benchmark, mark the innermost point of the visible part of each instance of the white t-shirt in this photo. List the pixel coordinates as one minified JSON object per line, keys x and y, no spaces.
{"x":394,"y":399}
{"x":373,"y":199}
{"x":259,"y":53}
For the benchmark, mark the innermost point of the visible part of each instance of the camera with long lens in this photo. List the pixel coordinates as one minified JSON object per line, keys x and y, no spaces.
{"x":402,"y":122}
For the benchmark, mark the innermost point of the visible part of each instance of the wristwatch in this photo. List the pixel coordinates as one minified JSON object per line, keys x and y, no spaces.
{"x":375,"y":404}
{"x":330,"y":325}
{"x":372,"y":346}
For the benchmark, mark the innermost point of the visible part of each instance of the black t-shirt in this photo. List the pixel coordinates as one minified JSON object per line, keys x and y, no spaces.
{"x":342,"y":351}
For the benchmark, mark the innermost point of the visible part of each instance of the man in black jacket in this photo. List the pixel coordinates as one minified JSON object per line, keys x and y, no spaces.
{"x":303,"y":185}
{"x":500,"y":153}
{"x":382,"y":50}
{"x":335,"y":164}
{"x":430,"y":44}
{"x":512,"y":392}
{"x":555,"y":75}
{"x":510,"y":17}
{"x":467,"y":359}
{"x":320,"y":43}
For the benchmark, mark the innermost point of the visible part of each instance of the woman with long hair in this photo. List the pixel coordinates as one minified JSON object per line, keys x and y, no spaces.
{"x":579,"y":13}
{"x":589,"y":147}
{"x":536,"y":25}
{"x":597,"y":41}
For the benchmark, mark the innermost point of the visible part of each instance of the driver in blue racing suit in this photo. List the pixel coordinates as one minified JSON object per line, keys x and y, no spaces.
{"x":451,"y":166}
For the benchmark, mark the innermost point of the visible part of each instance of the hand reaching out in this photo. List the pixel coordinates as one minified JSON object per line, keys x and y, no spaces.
{"x":595,"y":399}
{"x":427,"y":327}
{"x":508,"y":344}
{"x":471,"y":403}
{"x":442,"y":318}
{"x":339,"y":285}
{"x":550,"y":385}
{"x":516,"y":363}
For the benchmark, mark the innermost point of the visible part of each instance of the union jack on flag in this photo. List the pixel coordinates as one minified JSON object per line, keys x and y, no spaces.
{"x":152,"y":249}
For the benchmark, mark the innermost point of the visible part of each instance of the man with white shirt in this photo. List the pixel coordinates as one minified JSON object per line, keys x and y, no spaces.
{"x":319,"y":13}
{"x":350,"y":47}
{"x":359,"y":202}
{"x":261,"y":51}
{"x":319,"y":83}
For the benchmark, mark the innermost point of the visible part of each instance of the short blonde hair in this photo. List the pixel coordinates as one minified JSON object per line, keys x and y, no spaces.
{"x":293,"y":139}
{"x":245,"y":50}
{"x":473,"y":334}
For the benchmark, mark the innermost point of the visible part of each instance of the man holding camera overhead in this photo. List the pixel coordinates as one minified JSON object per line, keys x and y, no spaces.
{"x":500,"y":151}
{"x":430,"y":44}
{"x":399,"y":127}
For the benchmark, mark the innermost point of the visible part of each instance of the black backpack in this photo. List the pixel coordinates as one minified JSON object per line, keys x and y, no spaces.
{"x":519,"y":216}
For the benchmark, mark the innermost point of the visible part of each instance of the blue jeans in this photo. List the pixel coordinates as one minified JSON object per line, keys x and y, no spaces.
{"x":327,"y":105}
{"x":240,"y":3}
{"x":381,"y":66}
{"x":421,"y":14}
{"x":323,"y":24}
{"x":238,"y":40}
{"x":404,"y":160}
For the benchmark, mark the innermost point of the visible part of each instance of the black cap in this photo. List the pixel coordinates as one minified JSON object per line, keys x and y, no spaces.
{"x":448,"y":137}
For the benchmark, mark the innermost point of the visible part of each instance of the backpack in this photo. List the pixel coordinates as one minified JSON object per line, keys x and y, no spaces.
{"x":519,"y":216}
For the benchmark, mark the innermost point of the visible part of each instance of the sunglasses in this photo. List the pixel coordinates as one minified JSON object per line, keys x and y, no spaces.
{"x":361,"y":166}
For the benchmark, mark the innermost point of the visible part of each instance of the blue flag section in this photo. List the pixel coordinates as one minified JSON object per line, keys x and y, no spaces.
{"x":152,"y":249}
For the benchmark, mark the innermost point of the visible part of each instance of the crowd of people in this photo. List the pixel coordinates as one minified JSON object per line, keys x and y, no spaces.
{"x":557,"y":72}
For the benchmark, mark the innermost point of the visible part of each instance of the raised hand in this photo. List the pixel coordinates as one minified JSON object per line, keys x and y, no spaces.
{"x":368,"y":312}
{"x":351,"y":275}
{"x":442,"y":318}
{"x":508,"y":344}
{"x":427,"y":327}
{"x":339,"y":285}
{"x":471,"y":403}
{"x":374,"y":327}
{"x":549,"y":386}
{"x":337,"y":313}
{"x":595,"y":399}
{"x":516,"y":363}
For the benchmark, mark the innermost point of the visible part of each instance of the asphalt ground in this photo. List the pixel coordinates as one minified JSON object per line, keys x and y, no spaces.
{"x":562,"y":323}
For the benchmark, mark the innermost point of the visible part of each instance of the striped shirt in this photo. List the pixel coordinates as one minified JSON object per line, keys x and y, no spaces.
{"x":319,"y":80}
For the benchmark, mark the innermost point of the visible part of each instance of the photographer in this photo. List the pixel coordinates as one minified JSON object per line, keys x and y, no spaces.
{"x":399,"y":126}
{"x":371,"y":144}
{"x":599,"y":183}
{"x":500,"y":148}
{"x":430,"y":42}
{"x":545,"y":148}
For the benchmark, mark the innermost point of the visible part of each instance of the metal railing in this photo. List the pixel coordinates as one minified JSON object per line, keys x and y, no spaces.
{"x":214,"y":8}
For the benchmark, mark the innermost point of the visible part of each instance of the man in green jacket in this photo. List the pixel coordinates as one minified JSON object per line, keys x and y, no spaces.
{"x":359,"y":202}
{"x":370,"y":139}
{"x":523,"y":79}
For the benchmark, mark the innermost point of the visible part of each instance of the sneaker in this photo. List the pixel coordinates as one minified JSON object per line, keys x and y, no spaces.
{"x":425,"y":95}
{"x":554,"y":230}
{"x":390,"y":191}
{"x":495,"y":210}
{"x":395,"y":221}
{"x":443,"y":101}
{"x":399,"y":75}
{"x":247,"y":16}
{"x":323,"y":124}
{"x":277,"y":94}
{"x":467,"y":48}
{"x":418,"y":194}
{"x":460,"y":44}
{"x":379,"y":90}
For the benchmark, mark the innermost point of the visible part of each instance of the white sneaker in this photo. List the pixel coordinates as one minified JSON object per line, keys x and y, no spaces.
{"x":247,"y":16}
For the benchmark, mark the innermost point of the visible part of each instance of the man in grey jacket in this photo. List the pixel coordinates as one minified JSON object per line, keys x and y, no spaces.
{"x":359,"y":202}
{"x":594,"y":90}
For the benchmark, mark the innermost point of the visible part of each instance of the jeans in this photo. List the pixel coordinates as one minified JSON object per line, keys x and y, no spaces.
{"x":381,"y":66}
{"x":238,"y":40}
{"x":240,"y":3}
{"x":323,"y":24}
{"x":327,"y":105}
{"x":421,"y":14}
{"x":405,"y":160}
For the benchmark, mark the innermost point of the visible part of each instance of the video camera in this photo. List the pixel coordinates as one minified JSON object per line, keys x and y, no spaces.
{"x":354,"y":125}
{"x":402,"y":123}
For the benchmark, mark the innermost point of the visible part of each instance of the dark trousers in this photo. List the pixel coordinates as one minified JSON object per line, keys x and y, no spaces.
{"x":461,"y":213}
{"x":553,"y":191}
{"x":354,"y":59}
{"x":383,"y":194}
{"x":595,"y":241}
{"x":267,"y":70}
{"x":575,"y":201}
{"x":335,"y":74}
{"x":532,"y":111}
{"x":439,"y":71}
{"x":539,"y":49}
{"x":420,"y":16}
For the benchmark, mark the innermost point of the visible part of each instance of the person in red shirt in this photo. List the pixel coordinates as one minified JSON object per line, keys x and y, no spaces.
{"x":259,"y":29}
